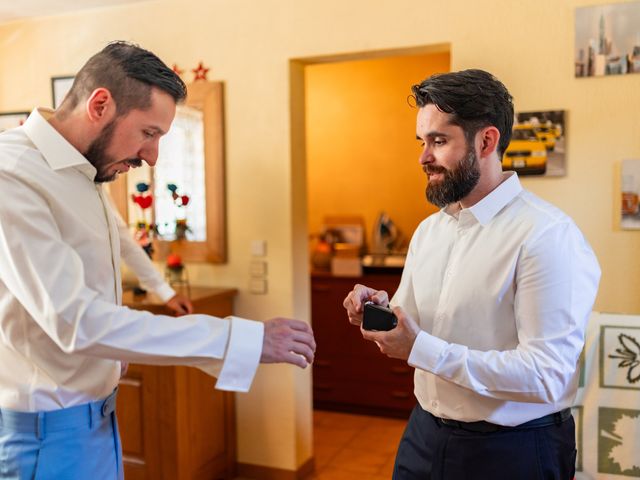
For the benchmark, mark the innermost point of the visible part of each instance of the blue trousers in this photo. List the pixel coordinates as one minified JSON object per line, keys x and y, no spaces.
{"x":431,"y":450}
{"x":76,"y":443}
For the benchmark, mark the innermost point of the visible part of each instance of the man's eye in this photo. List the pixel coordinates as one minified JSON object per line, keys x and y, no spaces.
{"x":149,"y":134}
{"x":439,"y":141}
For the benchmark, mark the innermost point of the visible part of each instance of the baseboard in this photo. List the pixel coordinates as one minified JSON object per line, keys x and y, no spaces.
{"x":258,"y":472}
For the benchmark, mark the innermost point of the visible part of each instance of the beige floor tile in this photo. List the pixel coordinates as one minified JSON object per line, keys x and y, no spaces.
{"x":324,"y":454}
{"x":334,"y":436}
{"x":378,"y":439}
{"x":358,"y":460}
{"x":340,"y":420}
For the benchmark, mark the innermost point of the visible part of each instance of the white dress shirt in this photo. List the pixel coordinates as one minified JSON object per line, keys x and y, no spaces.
{"x":502,"y":292}
{"x":62,"y":331}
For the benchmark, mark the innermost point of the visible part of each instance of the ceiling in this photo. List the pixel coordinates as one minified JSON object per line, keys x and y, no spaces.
{"x":19,"y":9}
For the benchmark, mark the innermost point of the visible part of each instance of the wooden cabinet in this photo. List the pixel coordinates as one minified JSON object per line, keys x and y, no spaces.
{"x":349,"y":373}
{"x":173,"y":423}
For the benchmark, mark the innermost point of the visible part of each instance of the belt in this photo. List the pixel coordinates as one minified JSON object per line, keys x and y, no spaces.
{"x":487,"y":427}
{"x":40,"y":423}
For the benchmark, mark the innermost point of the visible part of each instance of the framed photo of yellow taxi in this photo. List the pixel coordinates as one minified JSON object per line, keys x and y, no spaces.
{"x":537,"y":146}
{"x":12,"y":119}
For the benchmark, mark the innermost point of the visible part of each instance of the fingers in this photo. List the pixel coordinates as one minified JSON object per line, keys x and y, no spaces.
{"x":380,"y":297}
{"x":288,"y":341}
{"x":354,"y":302}
{"x":295,"y":359}
{"x":306,"y":339}
{"x":372,"y":336}
{"x":180,"y":304}
{"x":188,"y":308}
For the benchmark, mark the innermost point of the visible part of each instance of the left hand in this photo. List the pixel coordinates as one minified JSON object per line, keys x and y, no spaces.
{"x":180,"y":304}
{"x":396,"y":343}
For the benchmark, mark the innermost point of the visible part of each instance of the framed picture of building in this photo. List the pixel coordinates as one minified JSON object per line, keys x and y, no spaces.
{"x":12,"y":119}
{"x":607,"y":40}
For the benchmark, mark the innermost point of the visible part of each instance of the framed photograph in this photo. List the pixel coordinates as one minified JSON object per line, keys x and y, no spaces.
{"x":629,"y":206}
{"x":537,"y":144}
{"x":59,"y":88}
{"x":12,"y":119}
{"x":607,"y":40}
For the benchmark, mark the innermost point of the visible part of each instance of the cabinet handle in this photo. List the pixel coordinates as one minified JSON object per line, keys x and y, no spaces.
{"x":399,"y":394}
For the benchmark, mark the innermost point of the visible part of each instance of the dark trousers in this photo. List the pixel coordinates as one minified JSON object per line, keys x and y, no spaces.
{"x":430,"y":450}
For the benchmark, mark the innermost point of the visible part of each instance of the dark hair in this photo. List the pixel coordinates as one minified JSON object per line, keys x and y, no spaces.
{"x":475,"y":98}
{"x":128,"y":72}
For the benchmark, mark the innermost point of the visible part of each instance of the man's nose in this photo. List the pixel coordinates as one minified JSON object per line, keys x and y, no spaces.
{"x":149,"y":154}
{"x":425,"y":157}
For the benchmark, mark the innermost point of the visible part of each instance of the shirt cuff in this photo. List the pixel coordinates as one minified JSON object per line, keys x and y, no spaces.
{"x":426,"y":352}
{"x":243,"y":355}
{"x":165,"y":292}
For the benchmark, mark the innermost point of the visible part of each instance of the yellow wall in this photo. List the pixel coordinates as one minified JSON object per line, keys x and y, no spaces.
{"x":249,"y":45}
{"x":362,"y":156}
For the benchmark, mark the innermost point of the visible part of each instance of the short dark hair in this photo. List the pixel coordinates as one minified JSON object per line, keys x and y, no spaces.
{"x":128,"y":72}
{"x":475,"y":99}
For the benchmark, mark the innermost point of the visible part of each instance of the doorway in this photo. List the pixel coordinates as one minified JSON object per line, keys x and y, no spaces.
{"x":354,"y":154}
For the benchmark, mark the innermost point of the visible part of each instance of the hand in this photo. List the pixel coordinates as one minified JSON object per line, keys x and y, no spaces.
{"x":396,"y":343}
{"x":288,"y":341}
{"x":180,"y":304}
{"x":354,"y":302}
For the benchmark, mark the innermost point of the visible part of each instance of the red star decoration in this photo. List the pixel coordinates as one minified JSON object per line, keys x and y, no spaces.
{"x":200,"y":72}
{"x":176,"y":69}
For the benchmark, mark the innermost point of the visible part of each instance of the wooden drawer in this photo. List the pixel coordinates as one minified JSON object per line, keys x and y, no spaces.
{"x":364,"y":397}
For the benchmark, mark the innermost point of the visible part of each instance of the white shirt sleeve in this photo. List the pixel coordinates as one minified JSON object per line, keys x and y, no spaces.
{"x":46,"y":275}
{"x":556,"y":280}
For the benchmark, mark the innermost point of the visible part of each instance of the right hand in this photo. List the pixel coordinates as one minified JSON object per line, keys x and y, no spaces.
{"x":354,"y":303}
{"x":288,"y":341}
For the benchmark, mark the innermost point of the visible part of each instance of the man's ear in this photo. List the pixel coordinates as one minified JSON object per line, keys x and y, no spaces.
{"x":100,"y":106}
{"x":489,"y":138}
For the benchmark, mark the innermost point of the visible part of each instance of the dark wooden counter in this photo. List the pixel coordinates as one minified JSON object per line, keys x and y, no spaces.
{"x":173,"y":423}
{"x":349,"y":373}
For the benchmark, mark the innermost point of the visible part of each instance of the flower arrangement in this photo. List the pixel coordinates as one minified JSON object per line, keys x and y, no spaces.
{"x":144,"y":229}
{"x":175,"y":271}
{"x":180,"y":201}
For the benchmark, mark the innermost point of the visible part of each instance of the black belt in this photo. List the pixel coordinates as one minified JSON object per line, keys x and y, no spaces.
{"x":487,"y":427}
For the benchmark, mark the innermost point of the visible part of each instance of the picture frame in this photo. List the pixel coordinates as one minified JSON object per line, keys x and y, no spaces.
{"x":629,"y":206}
{"x":60,"y":85}
{"x":606,"y":40}
{"x":537,"y":146}
{"x":12,"y":119}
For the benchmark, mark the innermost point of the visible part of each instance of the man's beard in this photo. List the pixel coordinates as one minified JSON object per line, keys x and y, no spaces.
{"x":456,"y":183}
{"x":97,"y":154}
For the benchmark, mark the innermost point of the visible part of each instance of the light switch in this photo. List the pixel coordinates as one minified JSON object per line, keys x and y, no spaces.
{"x":258,"y":248}
{"x":258,"y":286}
{"x":258,"y":268}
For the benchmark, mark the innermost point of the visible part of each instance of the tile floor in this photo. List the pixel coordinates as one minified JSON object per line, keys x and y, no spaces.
{"x":353,"y":447}
{"x":349,"y":447}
